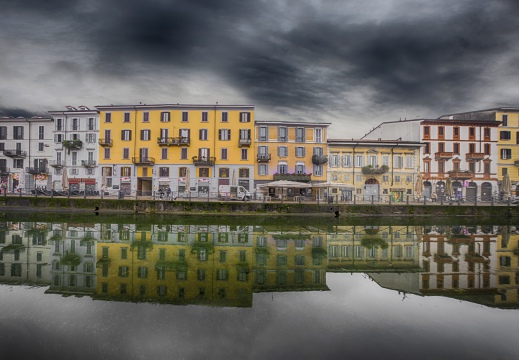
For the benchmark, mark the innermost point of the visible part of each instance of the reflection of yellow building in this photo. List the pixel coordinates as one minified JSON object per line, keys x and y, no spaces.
{"x":185,"y":265}
{"x":373,"y":248}
{"x":507,"y":268}
{"x":190,"y":148}
{"x":362,"y":170}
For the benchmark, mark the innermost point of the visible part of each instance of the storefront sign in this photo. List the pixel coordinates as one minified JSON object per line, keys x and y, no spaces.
{"x":125,"y":179}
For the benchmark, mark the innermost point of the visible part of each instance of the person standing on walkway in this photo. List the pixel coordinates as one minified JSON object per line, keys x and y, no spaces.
{"x":168,"y":193}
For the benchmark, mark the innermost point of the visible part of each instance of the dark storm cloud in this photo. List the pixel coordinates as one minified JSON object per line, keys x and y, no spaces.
{"x":289,"y":56}
{"x":14,"y":112}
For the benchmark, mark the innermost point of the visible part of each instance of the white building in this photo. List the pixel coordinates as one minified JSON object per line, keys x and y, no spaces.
{"x":25,"y":147}
{"x":463,"y":150}
{"x":75,"y":134}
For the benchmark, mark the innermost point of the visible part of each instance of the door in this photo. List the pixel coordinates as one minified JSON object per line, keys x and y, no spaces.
{"x":143,"y":154}
{"x":486,"y":191}
{"x":472,"y":192}
{"x":371,"y":190}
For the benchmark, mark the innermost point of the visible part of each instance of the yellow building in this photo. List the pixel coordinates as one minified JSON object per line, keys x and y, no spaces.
{"x":508,"y":138}
{"x":366,"y":170}
{"x":192,"y":149}
{"x":507,"y":268}
{"x":293,"y":151}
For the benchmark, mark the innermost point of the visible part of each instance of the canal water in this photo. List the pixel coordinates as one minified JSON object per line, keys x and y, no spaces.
{"x":257,"y":288}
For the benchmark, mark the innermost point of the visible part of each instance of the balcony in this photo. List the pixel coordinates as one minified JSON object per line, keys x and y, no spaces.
{"x":88,"y":163}
{"x":293,"y":177}
{"x":264,"y":157}
{"x":203,"y":160}
{"x":244,"y":142}
{"x":36,"y":170}
{"x":143,"y":160}
{"x":4,"y":170}
{"x":57,"y":163}
{"x":375,"y":170}
{"x":475,"y":156}
{"x":106,"y":142}
{"x":460,"y":175}
{"x":319,"y":159}
{"x":442,"y":155}
{"x":15,"y":154}
{"x":73,"y":144}
{"x":173,"y":141}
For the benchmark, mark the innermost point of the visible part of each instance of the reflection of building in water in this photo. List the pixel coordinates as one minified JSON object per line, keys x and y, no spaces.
{"x":179,"y":264}
{"x":507,"y":267}
{"x":24,"y":253}
{"x":289,"y":260}
{"x":458,"y":258}
{"x":73,"y":254}
{"x":380,"y":248}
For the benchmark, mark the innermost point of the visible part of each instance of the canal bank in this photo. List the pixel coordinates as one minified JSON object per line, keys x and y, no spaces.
{"x":149,"y":206}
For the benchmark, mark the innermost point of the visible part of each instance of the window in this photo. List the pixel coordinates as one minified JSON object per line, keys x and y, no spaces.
{"x":398,"y":162}
{"x":334,"y":160}
{"x":3,"y":132}
{"x":223,"y":172}
{"x":224,"y":116}
{"x":486,"y":134}
{"x":282,"y":134}
{"x":262,"y":169}
{"x":300,"y":168}
{"x":244,"y":154}
{"x":359,"y":160}
{"x":223,"y":154}
{"x":223,"y":256}
{"x":164,"y":154}
{"x":165,"y":116}
{"x":505,"y":135}
{"x":126,"y":135}
{"x":300,"y":151}
{"x":486,"y":168}
{"x":504,"y":120}
{"x":409,"y":161}
{"x":126,"y":171}
{"x":203,"y":134}
{"x":347,"y":160}
{"x":204,"y":116}
{"x":487,"y":149}
{"x":456,"y":133}
{"x":126,"y":153}
{"x":142,"y":272}
{"x":145,"y":116}
{"x":427,"y":148}
{"x":506,"y":154}
{"x":18,"y":132}
{"x":164,"y":172}
{"x":441,"y":131}
{"x":41,"y":132}
{"x":224,"y":134}
{"x":318,"y":170}
{"x":182,"y":172}
{"x":243,"y":173}
{"x":222,"y":274}
{"x":203,"y":172}
{"x":245,"y":117}
{"x":318,"y":135}
{"x":441,"y":166}
{"x":185,"y":116}
{"x":441,"y":147}
{"x":282,"y":151}
{"x":145,"y":135}
{"x":372,"y":160}
{"x":300,"y":134}
{"x":263,"y":133}
{"x":124,"y":253}
{"x":91,"y":138}
{"x":75,"y":124}
{"x":126,"y":117}
{"x":456,"y":148}
{"x":282,"y":168}
{"x":106,"y":153}
{"x":472,"y":133}
{"x":183,"y":153}
{"x":426,"y":132}
{"x":123,"y":271}
{"x":40,"y":146}
{"x":244,"y":134}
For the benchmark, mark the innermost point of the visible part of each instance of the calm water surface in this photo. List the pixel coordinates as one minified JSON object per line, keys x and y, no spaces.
{"x":191,"y":290}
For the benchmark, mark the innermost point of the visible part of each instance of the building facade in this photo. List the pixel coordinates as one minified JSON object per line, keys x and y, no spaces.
{"x":362,"y":169}
{"x":75,"y":134}
{"x":464,"y":151}
{"x":25,"y":147}
{"x":191,"y":149}
{"x":294,"y":151}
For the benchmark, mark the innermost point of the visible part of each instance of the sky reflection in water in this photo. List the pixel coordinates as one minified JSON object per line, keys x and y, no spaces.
{"x":368,"y":310}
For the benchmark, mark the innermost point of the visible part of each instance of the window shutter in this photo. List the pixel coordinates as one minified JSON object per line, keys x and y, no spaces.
{"x":229,"y":134}
{"x":220,"y":134}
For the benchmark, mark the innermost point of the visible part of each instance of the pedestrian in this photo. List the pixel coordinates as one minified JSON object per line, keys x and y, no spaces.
{"x":168,"y":193}
{"x":161,"y":193}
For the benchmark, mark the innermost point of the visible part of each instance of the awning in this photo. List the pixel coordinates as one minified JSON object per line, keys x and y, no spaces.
{"x":81,"y":180}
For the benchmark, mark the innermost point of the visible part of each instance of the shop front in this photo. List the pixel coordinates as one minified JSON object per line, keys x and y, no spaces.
{"x":203,"y":186}
{"x":126,"y":185}
{"x":82,"y":184}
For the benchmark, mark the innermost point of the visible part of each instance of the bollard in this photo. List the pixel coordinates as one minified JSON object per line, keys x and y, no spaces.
{"x":355,"y":199}
{"x":407,"y":200}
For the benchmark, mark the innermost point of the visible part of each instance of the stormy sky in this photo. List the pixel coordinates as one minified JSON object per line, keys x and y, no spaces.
{"x":352,"y":63}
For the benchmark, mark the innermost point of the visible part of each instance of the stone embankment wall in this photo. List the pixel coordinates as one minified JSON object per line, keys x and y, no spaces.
{"x":253,"y":208}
